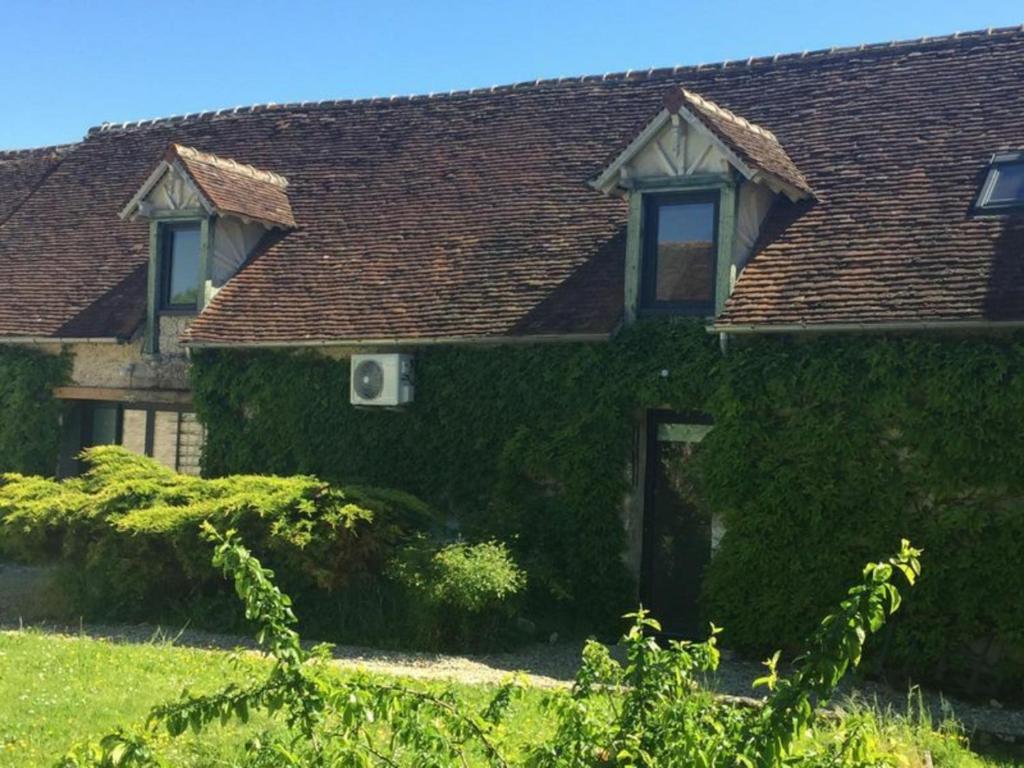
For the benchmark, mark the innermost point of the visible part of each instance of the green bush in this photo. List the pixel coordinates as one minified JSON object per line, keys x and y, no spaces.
{"x":467,"y":595}
{"x":29,"y":413}
{"x":474,"y":578}
{"x":127,"y":533}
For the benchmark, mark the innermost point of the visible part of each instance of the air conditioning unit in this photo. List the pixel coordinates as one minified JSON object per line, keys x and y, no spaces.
{"x":385,"y":379}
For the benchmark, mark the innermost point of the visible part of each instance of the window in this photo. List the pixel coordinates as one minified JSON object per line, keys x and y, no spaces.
{"x":102,"y":425}
{"x":171,"y":436}
{"x":180,"y":266}
{"x":680,"y":257}
{"x":1003,"y":187}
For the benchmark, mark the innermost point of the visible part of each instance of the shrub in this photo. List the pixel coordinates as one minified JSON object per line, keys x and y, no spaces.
{"x":474,"y":578}
{"x":469,"y":591}
{"x":127,"y":532}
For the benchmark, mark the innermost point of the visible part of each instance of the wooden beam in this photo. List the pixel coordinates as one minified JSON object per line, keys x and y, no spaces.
{"x":151,"y":344}
{"x":726,"y":235}
{"x":175,"y":397}
{"x":690,"y":183}
{"x":205,"y":260}
{"x":634,"y":246}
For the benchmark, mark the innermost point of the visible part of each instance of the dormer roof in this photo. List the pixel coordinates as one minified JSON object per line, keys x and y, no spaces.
{"x":752,"y":150}
{"x":221,"y":186}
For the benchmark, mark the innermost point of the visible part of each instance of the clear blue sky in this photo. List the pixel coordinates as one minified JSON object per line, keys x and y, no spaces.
{"x":69,"y":64}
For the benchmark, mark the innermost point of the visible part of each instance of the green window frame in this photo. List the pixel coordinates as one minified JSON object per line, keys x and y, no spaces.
{"x":650,"y":264}
{"x":159,"y":282}
{"x":177,"y":264}
{"x":637,"y":232}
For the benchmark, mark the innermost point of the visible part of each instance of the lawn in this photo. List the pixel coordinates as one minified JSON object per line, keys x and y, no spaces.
{"x":55,"y":691}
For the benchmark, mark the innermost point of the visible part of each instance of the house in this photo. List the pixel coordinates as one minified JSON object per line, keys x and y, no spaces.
{"x":845,"y":191}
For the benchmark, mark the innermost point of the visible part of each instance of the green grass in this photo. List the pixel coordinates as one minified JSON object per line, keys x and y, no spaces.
{"x":56,"y":691}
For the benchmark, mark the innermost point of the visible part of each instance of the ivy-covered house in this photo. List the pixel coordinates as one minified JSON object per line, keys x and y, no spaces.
{"x":561,"y":288}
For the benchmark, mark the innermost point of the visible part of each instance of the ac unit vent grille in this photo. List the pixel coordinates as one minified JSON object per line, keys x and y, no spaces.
{"x":368,"y":379}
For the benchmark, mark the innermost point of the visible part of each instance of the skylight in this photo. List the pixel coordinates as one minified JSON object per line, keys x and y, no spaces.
{"x":1003,"y":188}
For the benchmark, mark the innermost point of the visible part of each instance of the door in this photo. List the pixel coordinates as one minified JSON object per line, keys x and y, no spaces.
{"x":677,"y":524}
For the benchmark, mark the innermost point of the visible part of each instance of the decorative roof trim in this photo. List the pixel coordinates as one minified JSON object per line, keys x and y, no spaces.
{"x":726,"y":113}
{"x":133,"y":208}
{"x":608,"y":178}
{"x":678,"y":101}
{"x":227,"y":164}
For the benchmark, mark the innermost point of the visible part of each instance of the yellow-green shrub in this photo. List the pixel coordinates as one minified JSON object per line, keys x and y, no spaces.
{"x":127,"y":530}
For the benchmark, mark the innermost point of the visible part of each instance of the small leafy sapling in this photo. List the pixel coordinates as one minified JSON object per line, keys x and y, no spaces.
{"x":329,"y":719}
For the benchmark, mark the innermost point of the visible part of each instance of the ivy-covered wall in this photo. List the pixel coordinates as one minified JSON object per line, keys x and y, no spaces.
{"x":826,"y":452}
{"x":29,"y":413}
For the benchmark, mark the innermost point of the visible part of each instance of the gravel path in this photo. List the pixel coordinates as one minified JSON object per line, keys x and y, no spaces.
{"x":542,"y":665}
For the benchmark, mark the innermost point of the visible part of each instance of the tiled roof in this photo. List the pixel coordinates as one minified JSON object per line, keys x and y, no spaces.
{"x":237,"y":189}
{"x":468,"y":215}
{"x":756,"y":146}
{"x":21,"y":171}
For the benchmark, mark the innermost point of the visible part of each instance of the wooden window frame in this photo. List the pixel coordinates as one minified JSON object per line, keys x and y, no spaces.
{"x":652,"y":205}
{"x":86,"y":431}
{"x":725,"y":185}
{"x":166,"y":259}
{"x":157,"y":279}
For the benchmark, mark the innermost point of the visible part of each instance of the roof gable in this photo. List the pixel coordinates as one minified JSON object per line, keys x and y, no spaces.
{"x":692,"y":135}
{"x":187,"y":179}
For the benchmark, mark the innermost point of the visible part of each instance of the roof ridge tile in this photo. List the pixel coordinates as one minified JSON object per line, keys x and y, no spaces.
{"x":229,"y":164}
{"x":726,"y":114}
{"x":15,"y":154}
{"x":812,"y":56}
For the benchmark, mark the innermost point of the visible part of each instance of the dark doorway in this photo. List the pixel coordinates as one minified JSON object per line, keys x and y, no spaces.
{"x":677,"y":524}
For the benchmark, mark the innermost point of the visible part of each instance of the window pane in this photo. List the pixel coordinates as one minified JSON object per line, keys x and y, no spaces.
{"x":133,"y":430}
{"x":1009,"y":184}
{"x":686,"y":252}
{"x":104,"y":425}
{"x":183,"y":270}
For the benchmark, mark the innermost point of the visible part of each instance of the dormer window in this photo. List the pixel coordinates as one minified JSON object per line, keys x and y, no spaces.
{"x":180,"y":251}
{"x":1003,"y":188}
{"x":680,"y":254}
{"x":700,"y":181}
{"x":207,"y":216}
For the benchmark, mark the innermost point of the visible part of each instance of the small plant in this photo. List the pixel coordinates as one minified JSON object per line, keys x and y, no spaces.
{"x":467,"y":593}
{"x":651,"y":711}
{"x":474,"y":578}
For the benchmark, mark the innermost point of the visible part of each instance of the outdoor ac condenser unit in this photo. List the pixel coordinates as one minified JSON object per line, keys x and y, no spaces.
{"x":384,"y":379}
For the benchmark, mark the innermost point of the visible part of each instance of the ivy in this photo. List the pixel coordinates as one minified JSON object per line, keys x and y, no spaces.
{"x":825,"y":450}
{"x":29,"y":413}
